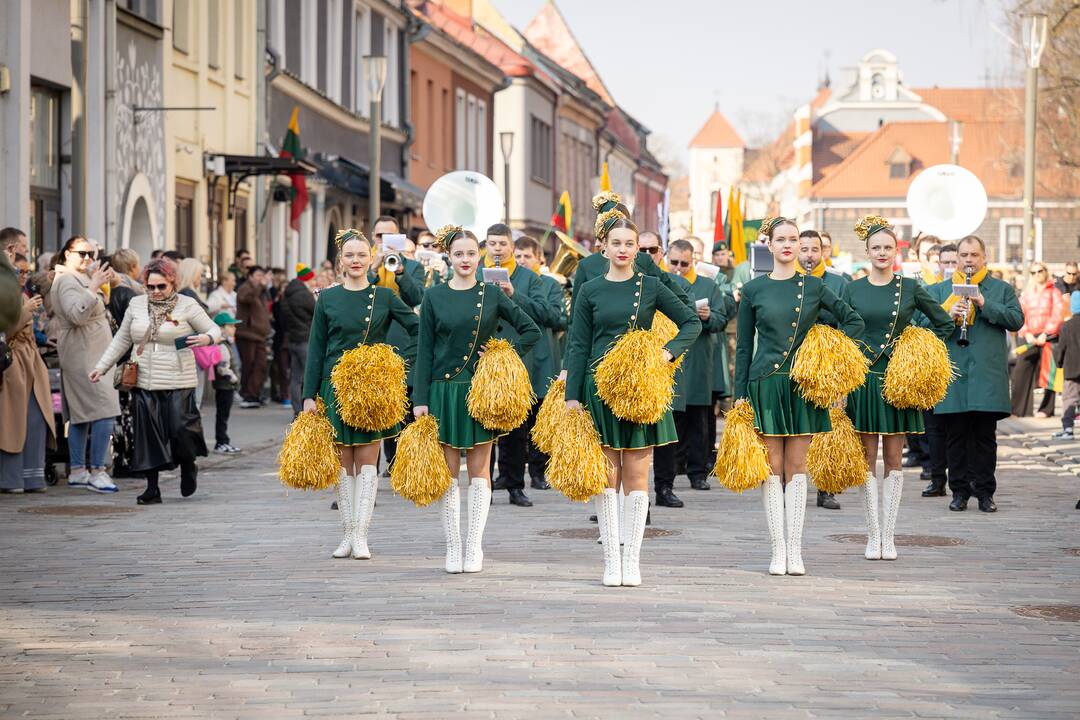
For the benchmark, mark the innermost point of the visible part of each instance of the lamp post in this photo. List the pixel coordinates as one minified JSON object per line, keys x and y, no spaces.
{"x":1035,"y":36}
{"x":375,"y":72}
{"x":506,"y":144}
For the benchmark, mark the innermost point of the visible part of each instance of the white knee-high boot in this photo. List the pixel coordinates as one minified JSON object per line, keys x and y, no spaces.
{"x":624,"y":524}
{"x":367,"y":485}
{"x":637,"y":508}
{"x":772,"y":493}
{"x":795,"y":509}
{"x":607,"y":516}
{"x":344,"y":505}
{"x":479,"y":502}
{"x":451,"y":519}
{"x":873,"y":529}
{"x":893,"y":487}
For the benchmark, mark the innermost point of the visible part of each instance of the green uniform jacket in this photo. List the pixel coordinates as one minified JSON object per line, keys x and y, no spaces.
{"x":454,"y":326}
{"x":345,"y":319}
{"x":545,"y":360}
{"x":695,"y":384}
{"x":604,"y":312}
{"x":887,"y":310}
{"x":596,"y":265}
{"x":677,"y":281}
{"x":836,"y":282}
{"x":411,"y":286}
{"x":778,"y":314}
{"x":531,"y":296}
{"x":983,"y":366}
{"x":721,"y":355}
{"x":741,"y":275}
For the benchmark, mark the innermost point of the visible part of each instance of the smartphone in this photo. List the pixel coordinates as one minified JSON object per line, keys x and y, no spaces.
{"x":181,"y":342}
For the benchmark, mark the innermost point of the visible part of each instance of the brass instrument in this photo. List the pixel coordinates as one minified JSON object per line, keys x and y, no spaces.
{"x":567,"y":256}
{"x":469,"y":199}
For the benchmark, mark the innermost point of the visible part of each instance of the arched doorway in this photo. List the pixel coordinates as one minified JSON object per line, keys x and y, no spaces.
{"x":333,"y":226}
{"x":141,"y":236}
{"x":139,"y":231}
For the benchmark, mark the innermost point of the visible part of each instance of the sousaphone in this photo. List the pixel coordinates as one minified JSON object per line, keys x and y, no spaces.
{"x":466,"y":198}
{"x":947,"y":201}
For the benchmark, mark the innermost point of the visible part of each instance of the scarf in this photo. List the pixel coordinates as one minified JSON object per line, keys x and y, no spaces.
{"x":817,"y":272}
{"x":930,"y":277}
{"x":387,"y":279}
{"x":691,"y":275}
{"x":509,"y":264}
{"x":160,"y":313}
{"x":960,"y":278}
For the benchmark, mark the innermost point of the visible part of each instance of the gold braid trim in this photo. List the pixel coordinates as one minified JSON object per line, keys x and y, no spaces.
{"x":346,"y":234}
{"x":871,"y":224}
{"x":606,"y":197}
{"x":444,"y":234}
{"x":604,"y":221}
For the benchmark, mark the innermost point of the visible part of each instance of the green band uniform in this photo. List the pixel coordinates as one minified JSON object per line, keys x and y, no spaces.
{"x":774,"y":317}
{"x":345,"y":319}
{"x":454,"y":325}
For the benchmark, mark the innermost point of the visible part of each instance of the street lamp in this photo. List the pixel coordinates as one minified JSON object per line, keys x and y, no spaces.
{"x":506,"y":144}
{"x":1035,"y":40}
{"x":375,"y":72}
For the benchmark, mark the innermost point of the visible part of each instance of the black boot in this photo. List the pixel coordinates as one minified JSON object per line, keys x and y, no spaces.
{"x":539,"y":482}
{"x":699,"y":484}
{"x":152,"y":495}
{"x":189,"y":476}
{"x":958,"y":504}
{"x":827,"y":501}
{"x":519,"y":498}
{"x":666,"y":498}
{"x":936,"y":488}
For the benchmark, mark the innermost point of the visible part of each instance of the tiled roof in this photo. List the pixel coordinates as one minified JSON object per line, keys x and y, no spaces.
{"x":549,"y":33}
{"x":717,"y":132}
{"x":620,"y":128}
{"x":830,"y":149}
{"x":975,"y":104}
{"x":991,"y":150}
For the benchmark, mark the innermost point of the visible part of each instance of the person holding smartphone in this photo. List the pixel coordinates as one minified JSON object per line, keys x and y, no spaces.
{"x":163,"y":326}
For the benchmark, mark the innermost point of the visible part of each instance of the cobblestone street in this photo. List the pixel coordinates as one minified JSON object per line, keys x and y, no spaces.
{"x":229,"y":605}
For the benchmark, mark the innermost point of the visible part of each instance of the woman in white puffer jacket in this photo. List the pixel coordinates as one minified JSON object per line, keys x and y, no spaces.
{"x":163,"y":326}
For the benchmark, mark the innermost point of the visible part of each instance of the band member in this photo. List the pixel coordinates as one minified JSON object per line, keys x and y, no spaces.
{"x":407,"y":280}
{"x":775,"y":313}
{"x":934,"y":467}
{"x":457,"y":319}
{"x":827,"y":254}
{"x":979,"y":397}
{"x":526,"y":291}
{"x":624,"y":297}
{"x":886,"y":302}
{"x":812,"y":259}
{"x":695,"y":383}
{"x":545,"y":360}
{"x":356,"y":312}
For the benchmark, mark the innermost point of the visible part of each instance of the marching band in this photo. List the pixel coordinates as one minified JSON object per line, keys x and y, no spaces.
{"x":646,"y":357}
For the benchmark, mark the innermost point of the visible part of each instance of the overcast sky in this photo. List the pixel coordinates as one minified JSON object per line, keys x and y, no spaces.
{"x":668,"y":61}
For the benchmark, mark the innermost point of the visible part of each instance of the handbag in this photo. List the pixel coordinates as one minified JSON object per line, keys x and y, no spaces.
{"x":126,"y":376}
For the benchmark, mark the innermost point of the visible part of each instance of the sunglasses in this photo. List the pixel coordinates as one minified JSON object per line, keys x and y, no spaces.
{"x":652,"y":250}
{"x":85,"y":253}
{"x":1038,"y":271}
{"x":679,"y":263}
{"x":1070,"y":273}
{"x":154,"y":287}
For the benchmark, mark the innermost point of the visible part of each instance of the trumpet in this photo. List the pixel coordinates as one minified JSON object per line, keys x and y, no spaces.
{"x":963,"y":341}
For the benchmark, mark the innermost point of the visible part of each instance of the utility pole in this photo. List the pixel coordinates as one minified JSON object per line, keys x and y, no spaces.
{"x":1036,"y":43}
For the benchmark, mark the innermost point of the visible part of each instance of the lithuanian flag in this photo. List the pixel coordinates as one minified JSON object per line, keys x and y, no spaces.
{"x":563,"y":214}
{"x":290,"y":148}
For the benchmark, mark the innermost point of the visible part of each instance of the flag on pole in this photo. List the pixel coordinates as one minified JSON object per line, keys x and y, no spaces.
{"x":718,"y":224}
{"x":290,"y":148}
{"x":563,"y":216}
{"x":737,"y":236}
{"x":605,"y":179}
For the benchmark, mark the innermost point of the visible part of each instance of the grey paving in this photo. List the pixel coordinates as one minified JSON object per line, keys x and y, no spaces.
{"x":227,"y":605}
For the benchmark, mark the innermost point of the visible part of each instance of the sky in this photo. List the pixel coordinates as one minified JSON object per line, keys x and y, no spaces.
{"x":760,"y":59}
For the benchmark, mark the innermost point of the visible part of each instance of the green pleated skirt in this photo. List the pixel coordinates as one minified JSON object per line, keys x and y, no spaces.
{"x":780,"y":411}
{"x":622,"y":434}
{"x":457,"y":428}
{"x":870,"y":413}
{"x":347,"y":434}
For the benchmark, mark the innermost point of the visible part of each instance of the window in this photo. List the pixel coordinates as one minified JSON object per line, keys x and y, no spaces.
{"x":213,"y":33}
{"x":481,"y":137}
{"x":277,"y":29}
{"x":239,"y":35}
{"x":181,"y":25}
{"x":390,"y":109}
{"x":448,"y":140}
{"x":144,"y":8}
{"x":714,"y":197}
{"x":540,"y":164}
{"x":900,"y":163}
{"x":432,"y":132}
{"x":1013,"y":236}
{"x":185,"y":218}
{"x":333,"y":50}
{"x":309,"y":43}
{"x":470,"y":133}
{"x":361,"y":47}
{"x":460,"y":131}
{"x":898,"y":171}
{"x":44,"y":138}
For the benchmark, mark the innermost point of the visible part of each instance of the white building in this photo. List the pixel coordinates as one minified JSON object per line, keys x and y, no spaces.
{"x":717,"y":154}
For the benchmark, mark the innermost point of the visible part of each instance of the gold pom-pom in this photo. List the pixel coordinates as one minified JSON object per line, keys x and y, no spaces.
{"x":634,"y":380}
{"x":603,"y":198}
{"x":549,"y":417}
{"x":501,"y":395}
{"x":578,"y":467}
{"x":369,"y":387}
{"x":836,"y":460}
{"x":742,"y":462}
{"x":871,"y":224}
{"x":664,"y":327}
{"x":308,"y":459}
{"x":919,"y":371}
{"x":828,"y":366}
{"x":419,"y":472}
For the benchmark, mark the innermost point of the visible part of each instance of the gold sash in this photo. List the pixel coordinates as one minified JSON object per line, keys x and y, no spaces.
{"x":387,"y":279}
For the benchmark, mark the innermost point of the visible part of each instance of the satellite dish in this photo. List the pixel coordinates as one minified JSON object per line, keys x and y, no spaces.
{"x":946,"y":200}
{"x":466,"y":198}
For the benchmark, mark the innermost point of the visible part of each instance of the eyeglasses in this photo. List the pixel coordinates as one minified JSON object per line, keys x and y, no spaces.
{"x":154,"y":287}
{"x":652,"y":250}
{"x":679,"y":263}
{"x":85,"y":253}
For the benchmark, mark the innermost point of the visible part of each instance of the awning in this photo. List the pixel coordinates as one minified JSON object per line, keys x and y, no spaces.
{"x":238,"y":168}
{"x":354,"y":177}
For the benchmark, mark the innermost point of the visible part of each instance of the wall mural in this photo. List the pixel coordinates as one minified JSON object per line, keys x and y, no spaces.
{"x":140,"y":147}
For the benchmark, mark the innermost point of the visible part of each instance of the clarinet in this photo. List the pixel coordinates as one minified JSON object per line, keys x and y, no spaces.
{"x":963,"y":341}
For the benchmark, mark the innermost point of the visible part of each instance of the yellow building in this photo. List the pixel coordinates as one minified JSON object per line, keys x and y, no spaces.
{"x":211,"y":61}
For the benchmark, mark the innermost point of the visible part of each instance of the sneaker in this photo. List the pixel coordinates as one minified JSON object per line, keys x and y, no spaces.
{"x":286,"y":403}
{"x":250,"y":404}
{"x":79,"y":478}
{"x":1062,"y":435}
{"x":225,"y":449}
{"x":100,"y":482}
{"x":11,"y":491}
